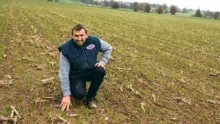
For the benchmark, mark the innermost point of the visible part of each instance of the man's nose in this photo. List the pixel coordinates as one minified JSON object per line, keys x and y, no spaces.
{"x":79,"y":38}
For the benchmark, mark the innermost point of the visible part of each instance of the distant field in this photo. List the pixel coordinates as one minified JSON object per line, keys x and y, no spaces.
{"x":77,"y":2}
{"x":169,"y":63}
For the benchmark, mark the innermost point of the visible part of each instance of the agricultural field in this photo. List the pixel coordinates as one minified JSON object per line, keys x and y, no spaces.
{"x":163,"y":69}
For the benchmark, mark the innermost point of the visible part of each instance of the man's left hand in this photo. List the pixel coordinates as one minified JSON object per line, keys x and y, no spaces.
{"x":99,"y":65}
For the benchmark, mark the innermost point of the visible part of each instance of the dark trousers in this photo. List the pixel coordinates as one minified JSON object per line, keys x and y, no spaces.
{"x":78,"y":86}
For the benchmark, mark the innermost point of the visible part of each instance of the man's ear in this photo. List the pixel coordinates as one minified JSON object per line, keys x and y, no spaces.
{"x":87,"y":35}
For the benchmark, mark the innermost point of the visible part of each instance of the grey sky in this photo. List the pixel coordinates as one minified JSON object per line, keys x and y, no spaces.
{"x":213,"y":5}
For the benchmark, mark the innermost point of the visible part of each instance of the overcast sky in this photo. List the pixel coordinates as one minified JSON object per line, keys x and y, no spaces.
{"x":213,"y":5}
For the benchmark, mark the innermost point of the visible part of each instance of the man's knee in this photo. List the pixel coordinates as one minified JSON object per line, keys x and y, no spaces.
{"x":78,"y":95}
{"x":78,"y":92}
{"x":78,"y":88}
{"x":99,"y":71}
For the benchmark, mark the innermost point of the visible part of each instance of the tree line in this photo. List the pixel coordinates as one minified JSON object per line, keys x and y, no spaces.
{"x":136,"y":6}
{"x":54,"y":0}
{"x":148,"y":8}
{"x":207,"y":14}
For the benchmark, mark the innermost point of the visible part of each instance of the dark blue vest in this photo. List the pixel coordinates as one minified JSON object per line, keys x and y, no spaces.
{"x":81,"y":58}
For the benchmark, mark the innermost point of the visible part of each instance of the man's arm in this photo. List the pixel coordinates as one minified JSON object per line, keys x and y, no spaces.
{"x":64,"y":75}
{"x":64,"y":81}
{"x":106,"y":49}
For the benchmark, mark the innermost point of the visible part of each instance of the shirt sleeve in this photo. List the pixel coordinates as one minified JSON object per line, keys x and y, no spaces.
{"x":64,"y":75}
{"x":106,"y":49}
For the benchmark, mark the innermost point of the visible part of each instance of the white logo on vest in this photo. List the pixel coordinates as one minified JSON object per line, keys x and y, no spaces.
{"x":90,"y":47}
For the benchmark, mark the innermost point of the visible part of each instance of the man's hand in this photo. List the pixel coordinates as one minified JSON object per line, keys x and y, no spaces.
{"x":99,"y":64}
{"x":66,"y":102}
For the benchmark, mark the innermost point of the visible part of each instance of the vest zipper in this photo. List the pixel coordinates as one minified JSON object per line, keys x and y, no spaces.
{"x":85,"y":56}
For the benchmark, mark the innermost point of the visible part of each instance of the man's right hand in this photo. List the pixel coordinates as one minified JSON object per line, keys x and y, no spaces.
{"x":66,"y":102}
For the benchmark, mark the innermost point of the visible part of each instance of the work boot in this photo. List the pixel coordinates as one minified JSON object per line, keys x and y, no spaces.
{"x":92,"y":104}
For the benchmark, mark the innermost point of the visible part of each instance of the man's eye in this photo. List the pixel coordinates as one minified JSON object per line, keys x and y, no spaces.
{"x":81,"y":35}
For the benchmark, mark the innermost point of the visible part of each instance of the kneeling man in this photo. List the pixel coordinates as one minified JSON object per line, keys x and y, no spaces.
{"x":78,"y":64}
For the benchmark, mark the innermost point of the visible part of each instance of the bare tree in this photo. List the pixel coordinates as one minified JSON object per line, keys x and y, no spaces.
{"x":164,"y":6}
{"x":135,"y":6}
{"x":106,"y":3}
{"x":173,"y":9}
{"x":147,"y":8}
{"x":216,"y":15}
{"x":160,"y":9}
{"x":185,"y":10}
{"x":208,"y":14}
{"x":114,"y":5}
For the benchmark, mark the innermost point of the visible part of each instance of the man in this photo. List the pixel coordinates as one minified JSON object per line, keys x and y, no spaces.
{"x":78,"y":64}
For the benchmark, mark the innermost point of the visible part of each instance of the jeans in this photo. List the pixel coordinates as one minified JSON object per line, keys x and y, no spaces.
{"x":78,"y":86}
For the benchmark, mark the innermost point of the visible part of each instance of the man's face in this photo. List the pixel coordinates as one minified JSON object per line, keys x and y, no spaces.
{"x":79,"y":37}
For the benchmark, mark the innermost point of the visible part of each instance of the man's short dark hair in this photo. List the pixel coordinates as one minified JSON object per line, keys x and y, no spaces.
{"x":79,"y":27}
